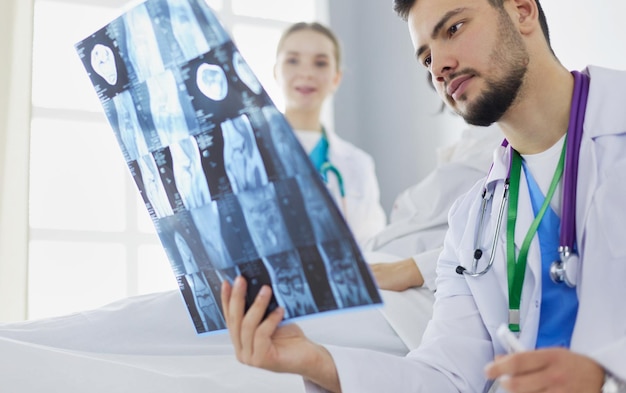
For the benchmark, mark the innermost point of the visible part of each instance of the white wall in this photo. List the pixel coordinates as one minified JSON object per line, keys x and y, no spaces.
{"x":385,"y":106}
{"x":588,"y":32}
{"x":16,"y":49}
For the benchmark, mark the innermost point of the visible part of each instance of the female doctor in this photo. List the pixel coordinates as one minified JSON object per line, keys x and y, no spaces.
{"x":308,"y":71}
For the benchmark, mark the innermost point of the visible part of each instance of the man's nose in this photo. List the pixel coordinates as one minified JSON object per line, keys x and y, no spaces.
{"x":442,"y":64}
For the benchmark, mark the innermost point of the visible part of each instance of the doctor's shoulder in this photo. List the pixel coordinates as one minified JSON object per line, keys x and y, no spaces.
{"x":464,"y":203}
{"x":354,"y":163}
{"x":349,"y":154}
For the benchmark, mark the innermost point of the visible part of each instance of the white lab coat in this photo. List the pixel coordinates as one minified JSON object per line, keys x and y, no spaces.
{"x":458,"y":341}
{"x":361,"y":208}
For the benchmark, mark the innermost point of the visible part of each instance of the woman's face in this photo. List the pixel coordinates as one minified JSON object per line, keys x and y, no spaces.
{"x":306,"y":70}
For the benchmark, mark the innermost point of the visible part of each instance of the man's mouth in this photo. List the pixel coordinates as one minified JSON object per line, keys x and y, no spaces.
{"x":457,"y":86}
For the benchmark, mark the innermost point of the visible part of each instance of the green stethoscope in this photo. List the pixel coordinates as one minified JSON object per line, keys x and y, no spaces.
{"x":321,"y":162}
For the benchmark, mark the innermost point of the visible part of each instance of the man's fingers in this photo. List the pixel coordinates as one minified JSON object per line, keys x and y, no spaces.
{"x":248,"y":331}
{"x":268,"y":326}
{"x":225,"y":295}
{"x":252,"y":319}
{"x":517,"y":364}
{"x":234,"y":303}
{"x":263,"y":338}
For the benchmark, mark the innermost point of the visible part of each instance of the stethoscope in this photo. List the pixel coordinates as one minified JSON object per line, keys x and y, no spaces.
{"x":565,"y":269}
{"x":322,"y":164}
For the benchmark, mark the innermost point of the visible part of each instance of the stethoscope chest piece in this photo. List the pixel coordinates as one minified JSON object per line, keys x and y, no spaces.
{"x":565,"y":270}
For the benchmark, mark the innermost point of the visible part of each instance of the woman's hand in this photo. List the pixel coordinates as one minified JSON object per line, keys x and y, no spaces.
{"x":397,"y":276}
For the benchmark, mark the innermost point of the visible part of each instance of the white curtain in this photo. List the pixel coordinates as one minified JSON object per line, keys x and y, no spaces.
{"x":16,"y":25}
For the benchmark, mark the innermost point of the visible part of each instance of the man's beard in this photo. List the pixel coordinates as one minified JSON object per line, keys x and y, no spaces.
{"x":510,"y":54}
{"x":496,"y":100}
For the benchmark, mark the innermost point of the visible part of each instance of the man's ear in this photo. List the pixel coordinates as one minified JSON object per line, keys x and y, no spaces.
{"x":527,"y":15}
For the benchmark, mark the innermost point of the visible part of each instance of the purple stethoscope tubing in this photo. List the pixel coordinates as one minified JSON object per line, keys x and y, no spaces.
{"x":577,"y":118}
{"x":565,"y":269}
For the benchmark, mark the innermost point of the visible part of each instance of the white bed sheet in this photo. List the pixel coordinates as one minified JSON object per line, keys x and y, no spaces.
{"x":148,"y":344}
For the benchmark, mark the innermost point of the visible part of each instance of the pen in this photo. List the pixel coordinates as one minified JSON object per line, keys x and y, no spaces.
{"x":512,"y":345}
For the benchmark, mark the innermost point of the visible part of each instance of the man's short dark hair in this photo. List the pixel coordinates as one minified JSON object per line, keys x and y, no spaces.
{"x":402,"y":8}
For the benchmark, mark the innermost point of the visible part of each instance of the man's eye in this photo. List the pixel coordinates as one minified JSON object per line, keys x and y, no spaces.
{"x":427,"y":61}
{"x":454,"y":28}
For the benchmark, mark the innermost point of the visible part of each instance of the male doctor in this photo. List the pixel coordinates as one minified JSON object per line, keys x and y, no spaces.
{"x":491,"y":61}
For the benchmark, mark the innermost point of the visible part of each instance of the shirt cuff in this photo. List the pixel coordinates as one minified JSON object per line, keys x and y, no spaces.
{"x":427,"y":264}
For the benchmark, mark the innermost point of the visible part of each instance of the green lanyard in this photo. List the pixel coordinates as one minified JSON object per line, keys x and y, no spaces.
{"x":517,"y":269}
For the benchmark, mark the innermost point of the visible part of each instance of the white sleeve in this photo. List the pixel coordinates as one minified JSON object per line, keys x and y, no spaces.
{"x":427,"y":264}
{"x":310,"y":387}
{"x":366,"y":216}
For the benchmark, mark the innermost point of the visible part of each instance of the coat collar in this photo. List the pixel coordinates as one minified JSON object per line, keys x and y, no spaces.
{"x":605,"y":112}
{"x":500,"y":169}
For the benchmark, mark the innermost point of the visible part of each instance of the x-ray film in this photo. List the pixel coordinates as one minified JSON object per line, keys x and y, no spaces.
{"x":227,"y":185}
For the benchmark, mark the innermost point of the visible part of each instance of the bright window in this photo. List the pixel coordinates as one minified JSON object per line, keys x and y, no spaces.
{"x":91,"y":239}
